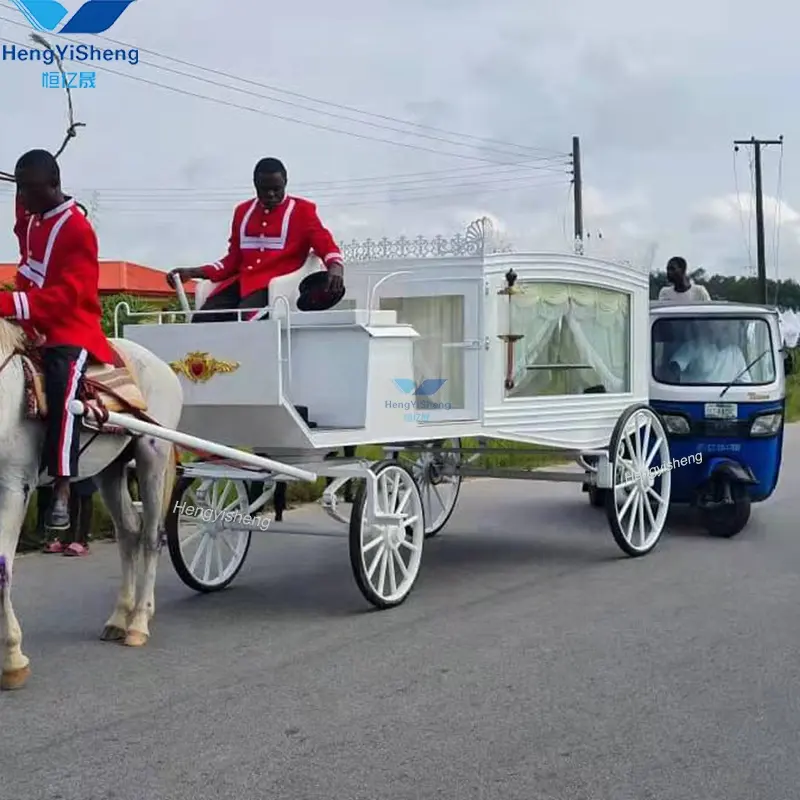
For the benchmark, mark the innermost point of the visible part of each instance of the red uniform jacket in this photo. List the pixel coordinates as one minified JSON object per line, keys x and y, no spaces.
{"x":57,"y":280}
{"x":266,"y":244}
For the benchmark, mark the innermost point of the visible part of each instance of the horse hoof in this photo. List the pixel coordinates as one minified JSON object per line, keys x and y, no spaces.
{"x":111,"y":633}
{"x":14,"y":678}
{"x":136,"y":639}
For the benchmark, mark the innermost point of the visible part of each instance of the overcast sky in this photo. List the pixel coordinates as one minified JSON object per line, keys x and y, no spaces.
{"x":657,"y":93}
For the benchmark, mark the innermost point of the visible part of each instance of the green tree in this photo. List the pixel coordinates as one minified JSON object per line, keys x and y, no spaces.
{"x":736,"y":288}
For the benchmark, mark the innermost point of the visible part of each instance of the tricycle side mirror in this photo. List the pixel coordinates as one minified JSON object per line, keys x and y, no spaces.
{"x":788,"y":362}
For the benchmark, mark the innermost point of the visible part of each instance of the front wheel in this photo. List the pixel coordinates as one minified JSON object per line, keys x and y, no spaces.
{"x":724,"y":522}
{"x":386,"y":553}
{"x":206,"y":556}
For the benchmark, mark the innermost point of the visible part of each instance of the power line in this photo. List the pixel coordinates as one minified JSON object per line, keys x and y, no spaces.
{"x":308,"y":98}
{"x":778,"y":213}
{"x":193,"y":196}
{"x":756,"y":145}
{"x":401,"y":195}
{"x":359,"y":185}
{"x":329,"y":194}
{"x":318,"y":126}
{"x":746,"y":235}
{"x":172,"y":209}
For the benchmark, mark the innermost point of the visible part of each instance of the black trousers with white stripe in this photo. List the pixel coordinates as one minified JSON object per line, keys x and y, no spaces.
{"x":64,"y":368}
{"x":231,"y":297}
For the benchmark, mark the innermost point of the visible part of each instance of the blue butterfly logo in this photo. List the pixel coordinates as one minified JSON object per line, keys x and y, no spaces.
{"x":426,"y":388}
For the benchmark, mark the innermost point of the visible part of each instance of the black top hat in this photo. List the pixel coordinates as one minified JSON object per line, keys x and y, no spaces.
{"x":315,"y":295}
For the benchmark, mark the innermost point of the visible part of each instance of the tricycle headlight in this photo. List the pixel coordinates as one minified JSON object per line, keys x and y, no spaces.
{"x":674,"y":423}
{"x":766,"y":424}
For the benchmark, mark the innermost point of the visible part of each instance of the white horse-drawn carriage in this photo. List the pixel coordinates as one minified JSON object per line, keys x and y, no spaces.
{"x":546,"y":350}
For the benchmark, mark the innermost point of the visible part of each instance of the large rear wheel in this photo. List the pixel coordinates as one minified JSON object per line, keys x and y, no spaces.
{"x":437,"y":473}
{"x":638,"y":502}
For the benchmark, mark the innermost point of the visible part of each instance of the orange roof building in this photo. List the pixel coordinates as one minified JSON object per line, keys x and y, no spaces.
{"x":121,"y":277}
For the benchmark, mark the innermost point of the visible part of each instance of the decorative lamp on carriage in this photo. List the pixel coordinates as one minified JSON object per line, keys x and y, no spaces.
{"x":507,"y":321}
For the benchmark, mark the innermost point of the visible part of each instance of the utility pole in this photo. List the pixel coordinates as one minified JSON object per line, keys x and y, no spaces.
{"x":577,"y":193}
{"x":757,"y":144}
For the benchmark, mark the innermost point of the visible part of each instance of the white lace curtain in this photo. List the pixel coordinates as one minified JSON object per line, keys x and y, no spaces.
{"x":570,"y":324}
{"x":439,"y":321}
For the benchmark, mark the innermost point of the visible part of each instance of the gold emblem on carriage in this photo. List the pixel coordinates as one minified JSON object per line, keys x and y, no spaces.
{"x":200,"y":367}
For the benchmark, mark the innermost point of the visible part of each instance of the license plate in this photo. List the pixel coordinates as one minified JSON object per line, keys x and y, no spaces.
{"x":722,"y":411}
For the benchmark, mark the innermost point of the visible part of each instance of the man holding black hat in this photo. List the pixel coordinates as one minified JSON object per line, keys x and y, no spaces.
{"x":271,"y":235}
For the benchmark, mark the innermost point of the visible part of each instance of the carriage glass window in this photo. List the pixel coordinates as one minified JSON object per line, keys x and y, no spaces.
{"x":439,"y":321}
{"x":712,"y":351}
{"x":574,"y":339}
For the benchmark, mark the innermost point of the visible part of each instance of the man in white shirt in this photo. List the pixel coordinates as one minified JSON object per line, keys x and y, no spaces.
{"x":682,"y":290}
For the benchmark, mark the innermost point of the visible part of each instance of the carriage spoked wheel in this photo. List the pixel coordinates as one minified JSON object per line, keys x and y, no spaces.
{"x":386,"y":555}
{"x":437,"y":472}
{"x":206,"y":554}
{"x":638,"y":503}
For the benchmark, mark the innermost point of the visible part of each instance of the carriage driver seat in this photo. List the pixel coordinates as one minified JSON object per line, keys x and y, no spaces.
{"x":286,"y":285}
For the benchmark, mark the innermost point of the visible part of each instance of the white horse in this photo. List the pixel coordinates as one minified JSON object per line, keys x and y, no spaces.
{"x":105,"y":459}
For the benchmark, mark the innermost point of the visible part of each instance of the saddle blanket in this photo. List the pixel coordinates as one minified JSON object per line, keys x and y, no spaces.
{"x":113,"y":387}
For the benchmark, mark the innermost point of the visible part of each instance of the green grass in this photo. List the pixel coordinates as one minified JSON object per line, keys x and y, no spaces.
{"x":793,"y":390}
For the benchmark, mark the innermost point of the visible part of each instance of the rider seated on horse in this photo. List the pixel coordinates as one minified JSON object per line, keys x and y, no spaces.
{"x":271,"y":235}
{"x":57,"y":302}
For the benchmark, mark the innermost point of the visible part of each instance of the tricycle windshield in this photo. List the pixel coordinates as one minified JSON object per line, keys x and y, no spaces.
{"x":712,"y":351}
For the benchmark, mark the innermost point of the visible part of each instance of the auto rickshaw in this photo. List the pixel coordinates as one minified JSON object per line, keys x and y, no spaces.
{"x":718,"y":381}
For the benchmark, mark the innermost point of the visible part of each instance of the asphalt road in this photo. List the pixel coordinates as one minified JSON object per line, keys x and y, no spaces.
{"x":532,"y":661}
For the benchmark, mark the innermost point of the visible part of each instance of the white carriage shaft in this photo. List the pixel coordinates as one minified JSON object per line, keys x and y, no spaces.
{"x":143,"y":428}
{"x":427,"y":350}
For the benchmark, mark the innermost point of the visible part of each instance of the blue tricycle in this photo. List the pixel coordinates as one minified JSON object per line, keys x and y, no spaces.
{"x":718,"y":382}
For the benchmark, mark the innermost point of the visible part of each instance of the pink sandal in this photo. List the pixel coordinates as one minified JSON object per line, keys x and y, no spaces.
{"x":76,"y":549}
{"x":53,"y":547}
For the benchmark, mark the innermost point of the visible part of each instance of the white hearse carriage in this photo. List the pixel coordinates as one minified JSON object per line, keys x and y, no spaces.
{"x":435,"y":342}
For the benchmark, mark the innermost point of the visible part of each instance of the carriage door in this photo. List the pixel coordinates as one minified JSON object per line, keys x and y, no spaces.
{"x":449,"y":347}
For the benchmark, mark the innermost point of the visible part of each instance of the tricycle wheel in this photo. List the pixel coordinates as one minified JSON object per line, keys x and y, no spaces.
{"x":386,"y":555}
{"x":638,"y":503}
{"x":206,"y":556}
{"x":725,"y":522}
{"x":597,"y":496}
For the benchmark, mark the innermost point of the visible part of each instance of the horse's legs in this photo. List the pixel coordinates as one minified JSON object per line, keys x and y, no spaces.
{"x":113,"y":487}
{"x":153,"y":462}
{"x":16,"y":669}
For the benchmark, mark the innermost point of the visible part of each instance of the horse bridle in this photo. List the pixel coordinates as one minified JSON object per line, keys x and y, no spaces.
{"x":72,"y":126}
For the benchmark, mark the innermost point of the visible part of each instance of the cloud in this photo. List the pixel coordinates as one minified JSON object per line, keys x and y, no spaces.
{"x":730,"y":209}
{"x":657,"y":106}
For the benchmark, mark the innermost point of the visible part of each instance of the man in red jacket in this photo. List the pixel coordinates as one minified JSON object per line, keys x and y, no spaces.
{"x":57,"y":302}
{"x":271,"y":235}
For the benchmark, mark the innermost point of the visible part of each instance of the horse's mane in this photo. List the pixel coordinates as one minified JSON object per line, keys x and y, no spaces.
{"x":12,"y":337}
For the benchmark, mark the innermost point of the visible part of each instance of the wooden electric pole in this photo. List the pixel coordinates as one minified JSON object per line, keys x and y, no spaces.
{"x":757,"y":144}
{"x":577,"y":193}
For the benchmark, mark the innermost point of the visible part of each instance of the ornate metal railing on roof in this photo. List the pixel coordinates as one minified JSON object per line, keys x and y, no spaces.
{"x":479,"y":239}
